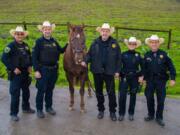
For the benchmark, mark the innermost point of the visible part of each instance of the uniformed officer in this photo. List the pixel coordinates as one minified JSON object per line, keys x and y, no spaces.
{"x":45,"y":62}
{"x":156,"y":66}
{"x":104,"y":56}
{"x":131,"y":76}
{"x":17,"y":59}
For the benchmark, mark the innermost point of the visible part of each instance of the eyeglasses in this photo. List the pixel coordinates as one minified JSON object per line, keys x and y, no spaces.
{"x":19,"y":34}
{"x":133,"y":44}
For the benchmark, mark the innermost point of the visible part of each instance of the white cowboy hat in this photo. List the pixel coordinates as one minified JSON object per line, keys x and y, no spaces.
{"x":132,"y":40}
{"x":18,"y":29}
{"x":105,"y":26}
{"x":154,"y":37}
{"x":46,"y":24}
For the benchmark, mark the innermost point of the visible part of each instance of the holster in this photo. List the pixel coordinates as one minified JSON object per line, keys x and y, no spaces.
{"x":10,"y":74}
{"x":29,"y":80}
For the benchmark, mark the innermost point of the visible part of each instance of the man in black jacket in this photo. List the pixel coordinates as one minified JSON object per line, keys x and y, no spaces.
{"x":105,"y":58}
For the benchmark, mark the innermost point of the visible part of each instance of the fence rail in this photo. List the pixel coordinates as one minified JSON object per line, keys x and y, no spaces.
{"x":25,"y":24}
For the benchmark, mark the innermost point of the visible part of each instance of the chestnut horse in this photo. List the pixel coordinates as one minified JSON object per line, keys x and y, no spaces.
{"x":74,"y":55}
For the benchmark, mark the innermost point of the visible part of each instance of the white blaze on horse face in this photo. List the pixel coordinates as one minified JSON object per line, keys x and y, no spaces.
{"x":78,"y":36}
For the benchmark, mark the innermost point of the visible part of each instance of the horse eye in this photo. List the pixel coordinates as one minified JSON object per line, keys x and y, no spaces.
{"x":73,"y":29}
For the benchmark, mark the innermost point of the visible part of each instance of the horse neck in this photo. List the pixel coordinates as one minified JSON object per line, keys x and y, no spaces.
{"x":69,"y":52}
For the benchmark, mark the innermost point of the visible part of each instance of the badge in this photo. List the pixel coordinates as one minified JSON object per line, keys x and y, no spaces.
{"x":7,"y":50}
{"x":136,"y":54}
{"x":161,"y":56}
{"x":148,"y":59}
{"x":54,"y":44}
{"x":27,"y":48}
{"x":126,"y":56}
{"x":113,"y":45}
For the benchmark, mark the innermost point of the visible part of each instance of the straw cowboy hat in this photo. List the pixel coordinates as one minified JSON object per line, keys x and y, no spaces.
{"x":154,"y":37}
{"x":105,"y":26}
{"x":46,"y":24}
{"x":18,"y":29}
{"x":132,"y":40}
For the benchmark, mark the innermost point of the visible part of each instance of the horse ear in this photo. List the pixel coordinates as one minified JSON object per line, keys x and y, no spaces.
{"x":69,"y":26}
{"x":83,"y":25}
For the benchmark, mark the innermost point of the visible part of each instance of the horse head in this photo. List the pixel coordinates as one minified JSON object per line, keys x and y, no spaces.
{"x":77,"y":42}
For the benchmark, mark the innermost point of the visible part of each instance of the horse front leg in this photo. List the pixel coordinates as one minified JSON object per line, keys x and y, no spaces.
{"x":82,"y":85}
{"x":70,"y":79}
{"x":89,"y":85}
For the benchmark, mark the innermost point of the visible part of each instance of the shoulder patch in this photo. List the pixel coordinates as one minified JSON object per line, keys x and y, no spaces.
{"x":148,"y":59}
{"x":161,"y":56}
{"x":54,"y":44}
{"x":7,"y":50}
{"x":136,"y":54}
{"x":113,"y":45}
{"x":27,"y":48}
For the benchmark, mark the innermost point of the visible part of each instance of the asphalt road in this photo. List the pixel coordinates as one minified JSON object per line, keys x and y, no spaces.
{"x":74,"y":123}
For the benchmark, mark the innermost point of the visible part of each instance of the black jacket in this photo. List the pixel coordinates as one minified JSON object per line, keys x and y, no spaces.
{"x":104,"y":56}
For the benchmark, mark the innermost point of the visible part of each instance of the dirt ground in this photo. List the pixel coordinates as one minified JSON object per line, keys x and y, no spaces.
{"x":74,"y":123}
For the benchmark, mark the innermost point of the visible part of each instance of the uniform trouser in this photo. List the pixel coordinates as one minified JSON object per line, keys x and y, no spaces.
{"x":99,"y":79}
{"x":158,"y":86}
{"x":45,"y":86}
{"x":125,"y":84}
{"x":18,"y":82}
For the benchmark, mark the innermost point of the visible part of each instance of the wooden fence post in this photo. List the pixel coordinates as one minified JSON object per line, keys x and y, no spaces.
{"x":25,"y":27}
{"x":117,"y":33}
{"x":24,"y":24}
{"x":169,"y":39}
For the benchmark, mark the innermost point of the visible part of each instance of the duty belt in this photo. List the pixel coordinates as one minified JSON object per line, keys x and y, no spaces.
{"x":50,"y":66}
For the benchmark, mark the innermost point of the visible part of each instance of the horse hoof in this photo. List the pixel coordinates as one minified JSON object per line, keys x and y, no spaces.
{"x":89,"y":96}
{"x":71,"y":108}
{"x":83,"y":111}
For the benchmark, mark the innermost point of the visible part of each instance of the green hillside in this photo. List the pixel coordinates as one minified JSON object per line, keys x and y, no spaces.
{"x":154,"y":14}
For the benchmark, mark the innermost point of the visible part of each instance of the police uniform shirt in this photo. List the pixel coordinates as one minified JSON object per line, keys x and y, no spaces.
{"x":131,"y":62}
{"x":158,"y":64}
{"x":46,"y":52}
{"x":17,"y":55}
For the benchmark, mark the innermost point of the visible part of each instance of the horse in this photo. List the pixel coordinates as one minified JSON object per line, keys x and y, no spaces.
{"x":73,"y":56}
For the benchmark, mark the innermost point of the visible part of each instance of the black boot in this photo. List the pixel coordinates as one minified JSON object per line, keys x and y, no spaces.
{"x":100,"y":115}
{"x":40,"y":114}
{"x":160,"y":122}
{"x":51,"y":111}
{"x":131,"y":117}
{"x":30,"y":110}
{"x":14,"y":118}
{"x":121,"y":117}
{"x":113,"y":116}
{"x":149,"y":118}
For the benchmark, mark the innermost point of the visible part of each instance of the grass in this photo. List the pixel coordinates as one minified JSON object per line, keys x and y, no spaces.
{"x":154,"y":14}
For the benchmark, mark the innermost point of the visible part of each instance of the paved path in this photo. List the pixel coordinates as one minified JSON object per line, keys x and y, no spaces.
{"x":75,"y":123}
